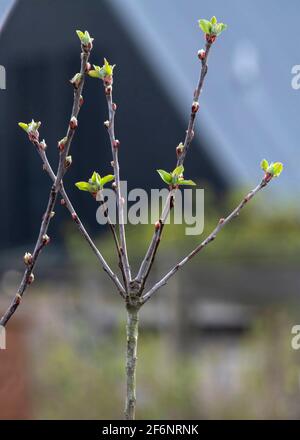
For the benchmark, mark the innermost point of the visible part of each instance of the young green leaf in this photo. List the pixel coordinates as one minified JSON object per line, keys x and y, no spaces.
{"x":277,"y":169}
{"x":205,"y":26}
{"x":166,"y":177}
{"x":80,"y":35}
{"x":95,"y":73}
{"x":178,"y":171}
{"x":107,"y":68}
{"x":221,"y":27}
{"x":96,"y":178}
{"x":264,"y":164}
{"x":23,"y":126}
{"x":186,"y":182}
{"x":83,"y":186}
{"x":107,"y":179}
{"x":212,"y":27}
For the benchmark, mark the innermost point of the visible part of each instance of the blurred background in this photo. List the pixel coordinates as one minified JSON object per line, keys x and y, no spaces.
{"x":216,"y":341}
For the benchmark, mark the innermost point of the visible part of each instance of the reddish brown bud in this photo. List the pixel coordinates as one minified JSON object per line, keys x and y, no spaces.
{"x":62,"y":202}
{"x":195,"y":107}
{"x":116,"y":143}
{"x":221,"y":220}
{"x":46,"y":239}
{"x":201,"y":54}
{"x":108,"y":90}
{"x":157,"y":225}
{"x":114,"y":106}
{"x":73,"y":123}
{"x":62,"y":143}
{"x":18,"y":298}
{"x":74,"y":216}
{"x":210,"y":38}
{"x":87,"y":67}
{"x":108,"y":80}
{"x":81,"y":100}
{"x":30,"y":279}
{"x":268,"y":177}
{"x":179,"y":149}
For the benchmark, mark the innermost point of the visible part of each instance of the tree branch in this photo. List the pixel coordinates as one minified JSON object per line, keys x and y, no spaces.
{"x":204,"y":243}
{"x":43,"y":239}
{"x":152,"y":249}
{"x":85,"y":234}
{"x":120,"y":201}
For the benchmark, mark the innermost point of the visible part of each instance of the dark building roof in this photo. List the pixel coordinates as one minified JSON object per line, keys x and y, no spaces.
{"x":40,"y":51}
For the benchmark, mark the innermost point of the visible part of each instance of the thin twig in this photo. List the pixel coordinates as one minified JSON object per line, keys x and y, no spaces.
{"x":115,"y":237}
{"x":204,"y":243}
{"x":120,"y":201}
{"x":155,"y":241}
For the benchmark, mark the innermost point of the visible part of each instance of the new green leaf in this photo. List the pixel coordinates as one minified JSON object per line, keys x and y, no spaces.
{"x":83,"y":186}
{"x":23,"y":126}
{"x":178,"y":171}
{"x":186,"y":182}
{"x":205,"y":26}
{"x":107,"y":179}
{"x":264,"y":164}
{"x":165,"y":176}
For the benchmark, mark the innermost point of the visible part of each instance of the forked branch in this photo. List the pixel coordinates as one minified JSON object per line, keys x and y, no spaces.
{"x":209,"y":239}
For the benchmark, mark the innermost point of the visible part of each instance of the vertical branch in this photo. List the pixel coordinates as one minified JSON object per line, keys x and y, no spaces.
{"x":131,"y":358}
{"x":120,"y":201}
{"x":114,"y":234}
{"x":152,"y":249}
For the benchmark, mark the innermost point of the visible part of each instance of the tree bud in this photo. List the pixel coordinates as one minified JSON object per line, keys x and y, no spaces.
{"x":46,"y":239}
{"x":68,"y":161}
{"x":195,"y":107}
{"x":30,"y":279}
{"x":73,"y":123}
{"x":62,"y":143}
{"x":157,"y":225}
{"x":201,"y":54}
{"x":108,"y":90}
{"x":43,"y":145}
{"x":27,"y":258}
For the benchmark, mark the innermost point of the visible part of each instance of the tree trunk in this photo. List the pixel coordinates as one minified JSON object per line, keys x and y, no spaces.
{"x":132,"y":339}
